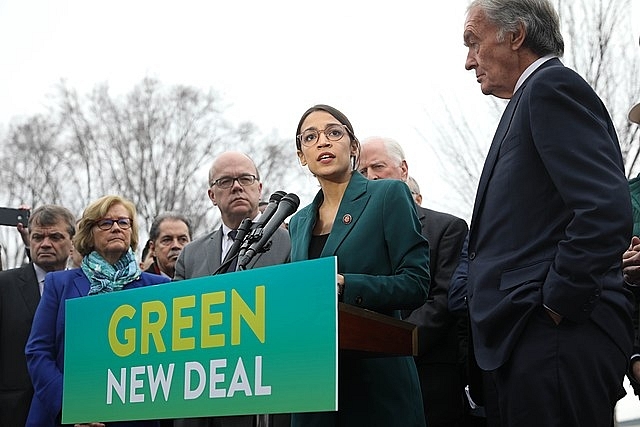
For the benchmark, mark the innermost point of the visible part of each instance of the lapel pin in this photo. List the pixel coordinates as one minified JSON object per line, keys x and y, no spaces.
{"x":346,"y":219}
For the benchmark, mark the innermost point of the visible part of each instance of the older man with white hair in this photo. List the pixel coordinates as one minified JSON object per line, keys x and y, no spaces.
{"x":438,"y":361}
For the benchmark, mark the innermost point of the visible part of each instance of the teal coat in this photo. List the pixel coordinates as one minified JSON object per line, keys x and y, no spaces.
{"x":634,"y":188}
{"x":385,"y":262}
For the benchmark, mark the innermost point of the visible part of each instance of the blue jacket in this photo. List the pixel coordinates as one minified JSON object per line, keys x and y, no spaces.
{"x":45,"y":347}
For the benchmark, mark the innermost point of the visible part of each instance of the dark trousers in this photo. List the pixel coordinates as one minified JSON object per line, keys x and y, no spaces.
{"x":275,"y":420}
{"x":567,"y":375}
{"x":442,"y":393}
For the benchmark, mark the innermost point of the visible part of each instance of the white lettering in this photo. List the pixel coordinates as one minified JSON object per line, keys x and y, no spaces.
{"x":190,"y":367}
{"x":239,"y":382}
{"x":160,"y":379}
{"x":114,"y":384}
{"x":136,"y":384}
{"x":216,"y":377}
{"x":260,"y":389}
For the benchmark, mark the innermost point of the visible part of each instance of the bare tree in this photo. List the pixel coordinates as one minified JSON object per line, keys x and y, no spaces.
{"x":32,"y":173}
{"x":599,"y":46}
{"x":153,"y":146}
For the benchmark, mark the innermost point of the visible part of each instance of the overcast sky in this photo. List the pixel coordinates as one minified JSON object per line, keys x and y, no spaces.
{"x":388,"y":65}
{"x":384,"y":64}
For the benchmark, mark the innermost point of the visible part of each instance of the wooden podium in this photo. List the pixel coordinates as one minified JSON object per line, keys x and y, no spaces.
{"x":367,"y":333}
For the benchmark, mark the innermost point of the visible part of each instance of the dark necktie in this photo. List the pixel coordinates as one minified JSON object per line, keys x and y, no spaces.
{"x":232,"y":235}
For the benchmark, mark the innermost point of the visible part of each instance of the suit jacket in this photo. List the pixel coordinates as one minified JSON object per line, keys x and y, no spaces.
{"x":202,"y":256}
{"x":384,"y":259}
{"x":436,"y":326}
{"x":45,"y":347}
{"x":19,"y":297}
{"x":551,"y":218}
{"x":440,"y":361}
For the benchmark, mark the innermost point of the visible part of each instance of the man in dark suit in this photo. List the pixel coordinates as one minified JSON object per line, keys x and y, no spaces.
{"x":550,"y":319}
{"x":235,"y":188}
{"x":50,"y":229}
{"x":439,"y":362}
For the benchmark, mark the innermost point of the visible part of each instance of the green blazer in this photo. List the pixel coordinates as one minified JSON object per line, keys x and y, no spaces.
{"x":385,"y":262}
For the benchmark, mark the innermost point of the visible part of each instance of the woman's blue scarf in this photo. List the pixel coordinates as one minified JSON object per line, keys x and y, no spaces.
{"x":104,"y":277}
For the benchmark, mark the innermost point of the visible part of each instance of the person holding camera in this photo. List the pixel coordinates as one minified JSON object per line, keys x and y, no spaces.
{"x":50,"y":230}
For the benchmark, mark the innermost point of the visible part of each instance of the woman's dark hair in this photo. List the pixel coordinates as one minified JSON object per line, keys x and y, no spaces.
{"x":338,"y":115}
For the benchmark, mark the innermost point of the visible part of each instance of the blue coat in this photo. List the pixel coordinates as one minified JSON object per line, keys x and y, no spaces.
{"x":385,"y":262}
{"x":45,"y":347}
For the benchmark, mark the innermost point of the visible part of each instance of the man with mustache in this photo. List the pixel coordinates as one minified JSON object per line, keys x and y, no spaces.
{"x":235,"y":188}
{"x":169,"y":233}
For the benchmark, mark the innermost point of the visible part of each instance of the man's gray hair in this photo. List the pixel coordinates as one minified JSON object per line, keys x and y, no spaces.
{"x":154,"y":232}
{"x":393,"y":147}
{"x":539,"y":18}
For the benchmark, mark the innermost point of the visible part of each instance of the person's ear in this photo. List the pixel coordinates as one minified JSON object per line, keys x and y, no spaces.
{"x":516,"y":38}
{"x":302,"y":158}
{"x":404,"y":170}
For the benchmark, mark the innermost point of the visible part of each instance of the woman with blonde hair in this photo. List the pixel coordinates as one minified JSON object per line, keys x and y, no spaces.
{"x":107,"y":237}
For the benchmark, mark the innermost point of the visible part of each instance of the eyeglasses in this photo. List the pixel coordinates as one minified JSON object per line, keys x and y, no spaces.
{"x":332,"y":133}
{"x":107,"y":223}
{"x":226,"y":182}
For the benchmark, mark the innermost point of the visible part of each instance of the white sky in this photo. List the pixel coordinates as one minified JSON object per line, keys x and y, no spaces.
{"x":387,"y":65}
{"x":383,"y":64}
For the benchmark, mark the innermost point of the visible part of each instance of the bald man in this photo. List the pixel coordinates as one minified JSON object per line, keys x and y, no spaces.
{"x":235,"y":189}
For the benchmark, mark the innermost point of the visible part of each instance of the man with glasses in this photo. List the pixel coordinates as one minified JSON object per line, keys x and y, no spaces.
{"x":50,"y":231}
{"x":235,"y":188}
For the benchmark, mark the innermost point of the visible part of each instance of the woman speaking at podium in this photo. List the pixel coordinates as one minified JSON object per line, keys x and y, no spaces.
{"x":383,"y":265}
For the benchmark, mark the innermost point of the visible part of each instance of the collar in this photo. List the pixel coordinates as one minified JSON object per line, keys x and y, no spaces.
{"x":40,"y":273}
{"x":530,"y":69}
{"x":226,"y":229}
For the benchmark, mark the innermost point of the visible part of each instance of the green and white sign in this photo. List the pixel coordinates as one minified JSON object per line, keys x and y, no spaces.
{"x":251,"y":342}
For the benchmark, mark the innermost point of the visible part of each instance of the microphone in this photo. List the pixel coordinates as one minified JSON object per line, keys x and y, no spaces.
{"x":270,"y":209}
{"x":256,"y":228}
{"x":288,"y":205}
{"x":243,"y":229}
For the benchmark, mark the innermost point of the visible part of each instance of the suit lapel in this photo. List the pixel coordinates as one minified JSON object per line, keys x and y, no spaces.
{"x":306,"y":220}
{"x":494,"y":150}
{"x":29,"y":287}
{"x":351,"y":207}
{"x":213,"y":251}
{"x":81,"y":284}
{"x":501,"y":133}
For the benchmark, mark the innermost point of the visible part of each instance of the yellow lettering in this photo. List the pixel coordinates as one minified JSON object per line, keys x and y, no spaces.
{"x":127,"y":347}
{"x":255,"y":320}
{"x":181,"y":322}
{"x":150,"y":328}
{"x":210,"y":319}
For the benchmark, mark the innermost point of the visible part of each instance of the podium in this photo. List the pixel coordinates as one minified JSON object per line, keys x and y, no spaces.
{"x":275,"y":365}
{"x":366,"y":333}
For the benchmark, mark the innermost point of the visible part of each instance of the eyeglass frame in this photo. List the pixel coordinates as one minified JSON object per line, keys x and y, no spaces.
{"x":233,"y":180}
{"x":128,"y":223}
{"x":322,"y":131}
